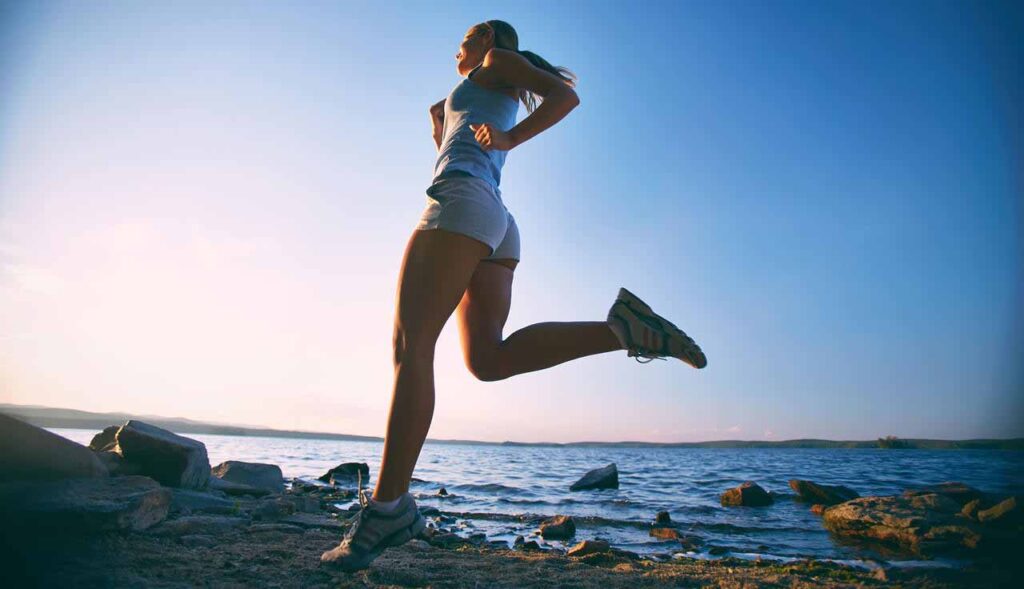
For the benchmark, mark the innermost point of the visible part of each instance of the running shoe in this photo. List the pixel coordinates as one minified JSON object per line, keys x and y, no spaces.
{"x":645,"y":334}
{"x":373,"y":531}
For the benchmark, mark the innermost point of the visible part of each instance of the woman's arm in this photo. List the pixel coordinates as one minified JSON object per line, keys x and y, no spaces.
{"x":516,"y":71}
{"x":437,"y":121}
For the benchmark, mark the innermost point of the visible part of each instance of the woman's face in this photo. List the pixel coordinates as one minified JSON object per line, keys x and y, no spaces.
{"x":474,"y":46}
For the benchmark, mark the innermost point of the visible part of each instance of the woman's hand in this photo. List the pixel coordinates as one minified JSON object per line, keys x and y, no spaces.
{"x":490,"y":137}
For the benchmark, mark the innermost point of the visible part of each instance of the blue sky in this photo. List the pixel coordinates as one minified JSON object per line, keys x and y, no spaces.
{"x":203,"y":207}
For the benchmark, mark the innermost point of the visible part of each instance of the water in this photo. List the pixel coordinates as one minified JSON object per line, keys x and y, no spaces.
{"x":509,"y":481}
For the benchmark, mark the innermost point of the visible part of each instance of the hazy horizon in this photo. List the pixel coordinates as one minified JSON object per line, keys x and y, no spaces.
{"x":203,"y":208}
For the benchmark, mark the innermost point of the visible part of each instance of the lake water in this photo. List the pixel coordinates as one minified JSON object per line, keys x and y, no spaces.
{"x":515,"y":480}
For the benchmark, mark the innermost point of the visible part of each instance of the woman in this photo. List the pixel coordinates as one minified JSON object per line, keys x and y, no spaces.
{"x":461,"y":258}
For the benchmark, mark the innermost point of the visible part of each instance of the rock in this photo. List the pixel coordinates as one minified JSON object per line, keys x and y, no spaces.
{"x":921,"y":523}
{"x":197,"y":541}
{"x":273,"y":509}
{"x":30,"y":453}
{"x":519,"y":540}
{"x":748,"y":494}
{"x":588,"y":547}
{"x":971,"y":509}
{"x":531,"y":545}
{"x":662,"y":519}
{"x":717,"y":550}
{"x":823,"y":494}
{"x":173,"y":460}
{"x":1005,"y":512}
{"x":275,"y":528}
{"x":665,"y":533}
{"x":117,"y":465}
{"x":606,"y":477}
{"x":92,"y":504}
{"x":187,"y":501}
{"x":313,"y":520}
{"x":207,"y":525}
{"x":430,"y":511}
{"x":346,"y":472}
{"x":442,"y":492}
{"x":229,"y":488}
{"x":818,"y":509}
{"x":447,"y":540}
{"x":560,"y":527}
{"x":958,"y":492}
{"x":305,"y":504}
{"x":106,"y":440}
{"x":253,"y":474}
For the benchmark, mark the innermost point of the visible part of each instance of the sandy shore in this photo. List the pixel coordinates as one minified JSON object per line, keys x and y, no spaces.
{"x":287,"y":555}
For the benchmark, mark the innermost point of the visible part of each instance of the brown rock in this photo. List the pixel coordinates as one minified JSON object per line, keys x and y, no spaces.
{"x":30,"y":453}
{"x":560,"y":527}
{"x":106,"y":440}
{"x":824,"y":494}
{"x":922,"y":523}
{"x":818,"y":509}
{"x":971,"y":509}
{"x":1003,"y":512}
{"x":748,"y":494}
{"x":588,"y":547}
{"x":665,"y":533}
{"x":958,"y":492}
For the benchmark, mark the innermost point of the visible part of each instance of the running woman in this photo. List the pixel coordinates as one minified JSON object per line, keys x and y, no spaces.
{"x":461,"y":258}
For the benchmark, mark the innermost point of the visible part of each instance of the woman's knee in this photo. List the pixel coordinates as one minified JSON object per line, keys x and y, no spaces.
{"x":486,"y":366}
{"x":409,"y":345}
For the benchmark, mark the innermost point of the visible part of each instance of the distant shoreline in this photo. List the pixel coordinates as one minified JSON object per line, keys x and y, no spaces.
{"x":52,"y":417}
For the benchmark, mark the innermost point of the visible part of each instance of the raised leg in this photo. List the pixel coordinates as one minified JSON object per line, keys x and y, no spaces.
{"x":482,"y":313}
{"x":436,"y":270}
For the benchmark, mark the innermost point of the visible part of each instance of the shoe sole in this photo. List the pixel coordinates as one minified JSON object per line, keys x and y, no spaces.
{"x":395,"y":539}
{"x":695,"y":355}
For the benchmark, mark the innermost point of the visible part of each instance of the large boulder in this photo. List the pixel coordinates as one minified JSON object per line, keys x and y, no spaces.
{"x":346,"y":472}
{"x":236,"y":489}
{"x":253,"y":474}
{"x":30,"y":453}
{"x":88,"y":504}
{"x":187,"y":501}
{"x":749,"y":494}
{"x":173,"y":460}
{"x":606,"y":477}
{"x":922,"y":523}
{"x":822,"y":494}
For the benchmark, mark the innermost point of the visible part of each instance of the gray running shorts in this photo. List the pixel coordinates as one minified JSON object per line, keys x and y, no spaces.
{"x":471,"y":206}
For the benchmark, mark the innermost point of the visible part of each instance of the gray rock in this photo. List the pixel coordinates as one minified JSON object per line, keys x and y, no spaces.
{"x":273,"y":509}
{"x":748,"y":494}
{"x":310,"y":520}
{"x":208,"y":525}
{"x":276,"y":528}
{"x":215,"y":484}
{"x":173,"y":460}
{"x":252,"y":474}
{"x":93,"y":504}
{"x":197,"y":541}
{"x":606,"y":477}
{"x":346,"y":472}
{"x":560,"y":527}
{"x":822,"y":494}
{"x":187,"y":501}
{"x":662,"y":519}
{"x":30,"y":453}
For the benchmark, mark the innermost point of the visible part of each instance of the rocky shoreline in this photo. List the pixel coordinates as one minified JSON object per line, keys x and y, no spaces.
{"x":143,"y":507}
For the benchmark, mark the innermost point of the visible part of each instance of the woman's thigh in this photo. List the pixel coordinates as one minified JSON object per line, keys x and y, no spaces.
{"x":436,"y":270}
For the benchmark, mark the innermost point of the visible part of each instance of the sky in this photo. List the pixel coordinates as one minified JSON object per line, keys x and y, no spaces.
{"x":204,"y":205}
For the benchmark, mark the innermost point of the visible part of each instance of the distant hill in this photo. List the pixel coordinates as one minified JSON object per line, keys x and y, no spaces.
{"x":72,"y":418}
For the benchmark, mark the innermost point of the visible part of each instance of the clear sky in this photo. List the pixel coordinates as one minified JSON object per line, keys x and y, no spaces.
{"x":203,"y":207}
